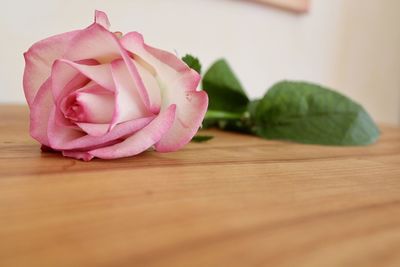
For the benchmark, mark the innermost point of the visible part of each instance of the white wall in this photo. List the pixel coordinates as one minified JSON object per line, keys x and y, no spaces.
{"x":351,"y":45}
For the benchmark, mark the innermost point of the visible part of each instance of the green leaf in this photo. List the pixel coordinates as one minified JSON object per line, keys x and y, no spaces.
{"x":201,"y":138}
{"x":192,"y":62}
{"x":252,"y":108}
{"x":308,"y":113}
{"x":223,"y":88}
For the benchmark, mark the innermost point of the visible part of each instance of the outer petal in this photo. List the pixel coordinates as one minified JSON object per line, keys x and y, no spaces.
{"x":179,"y":84}
{"x":101,"y":18}
{"x":189,"y":115}
{"x":40,"y":113}
{"x":39,"y":59}
{"x":141,"y":140}
{"x":94,"y":42}
{"x":167,"y":65}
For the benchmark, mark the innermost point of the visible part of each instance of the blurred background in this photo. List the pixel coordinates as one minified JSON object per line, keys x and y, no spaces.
{"x":352,"y":46}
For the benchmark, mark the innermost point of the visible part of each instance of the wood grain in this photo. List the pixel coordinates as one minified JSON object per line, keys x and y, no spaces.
{"x":234,"y":201}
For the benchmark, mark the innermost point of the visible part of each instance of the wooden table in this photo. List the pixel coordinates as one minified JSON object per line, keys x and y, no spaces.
{"x":234,"y":201}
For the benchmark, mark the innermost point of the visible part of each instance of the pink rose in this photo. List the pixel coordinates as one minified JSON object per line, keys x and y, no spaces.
{"x":94,"y":93}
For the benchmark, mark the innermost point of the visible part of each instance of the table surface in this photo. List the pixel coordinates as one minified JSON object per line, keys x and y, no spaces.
{"x":236,"y":200}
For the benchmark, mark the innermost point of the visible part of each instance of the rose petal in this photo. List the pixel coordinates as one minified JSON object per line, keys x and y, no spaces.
{"x":39,"y":59}
{"x":101,"y":18}
{"x":189,"y":115}
{"x":94,"y":42}
{"x":128,"y":104}
{"x":94,"y":129}
{"x":40,"y":113}
{"x":64,"y":71}
{"x":141,"y":140}
{"x":97,"y":43}
{"x":147,"y":73}
{"x":97,"y":104}
{"x":167,"y":65}
{"x":179,"y":84}
{"x":64,"y":138}
{"x":95,"y":108}
{"x":58,"y":133}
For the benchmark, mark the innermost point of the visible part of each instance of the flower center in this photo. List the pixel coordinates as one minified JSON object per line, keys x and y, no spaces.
{"x":75,"y":112}
{"x":90,"y":104}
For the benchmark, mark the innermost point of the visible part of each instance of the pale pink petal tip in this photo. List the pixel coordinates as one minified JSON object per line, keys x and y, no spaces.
{"x":101,"y":18}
